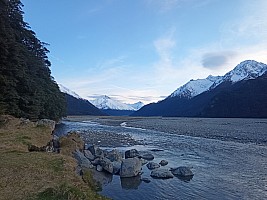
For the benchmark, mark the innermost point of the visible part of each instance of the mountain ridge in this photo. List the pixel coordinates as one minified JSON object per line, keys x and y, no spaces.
{"x":247,"y":69}
{"x":214,"y":101}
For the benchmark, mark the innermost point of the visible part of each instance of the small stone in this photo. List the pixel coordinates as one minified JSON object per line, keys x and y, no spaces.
{"x":131,"y":153}
{"x":147,"y":156}
{"x":161,"y":173}
{"x":163,"y":162}
{"x":99,"y":168}
{"x":182,"y":171}
{"x":152,"y":165}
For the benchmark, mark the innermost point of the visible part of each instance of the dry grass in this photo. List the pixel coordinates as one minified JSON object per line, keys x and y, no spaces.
{"x":37,"y":175}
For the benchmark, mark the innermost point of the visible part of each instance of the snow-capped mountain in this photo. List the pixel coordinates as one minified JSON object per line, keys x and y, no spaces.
{"x":195,"y":87}
{"x":104,"y":102}
{"x":68,"y":91}
{"x":248,"y":69}
{"x":137,"y":105}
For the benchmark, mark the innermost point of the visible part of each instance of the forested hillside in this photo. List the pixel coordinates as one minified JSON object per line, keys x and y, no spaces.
{"x":27,"y":88}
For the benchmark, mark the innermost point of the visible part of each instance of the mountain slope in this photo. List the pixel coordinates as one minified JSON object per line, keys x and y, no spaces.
{"x":77,"y":105}
{"x":81,"y":107}
{"x":244,"y":86}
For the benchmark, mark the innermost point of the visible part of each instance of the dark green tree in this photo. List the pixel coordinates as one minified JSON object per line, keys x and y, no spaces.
{"x":27,"y":88}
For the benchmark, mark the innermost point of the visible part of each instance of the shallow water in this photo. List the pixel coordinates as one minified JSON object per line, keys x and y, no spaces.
{"x":223,"y":169}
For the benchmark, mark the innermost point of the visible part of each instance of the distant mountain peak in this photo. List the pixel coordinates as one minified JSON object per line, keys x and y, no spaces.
{"x":195,"y":87}
{"x":105,"y":102}
{"x":68,"y":91}
{"x":249,"y":69}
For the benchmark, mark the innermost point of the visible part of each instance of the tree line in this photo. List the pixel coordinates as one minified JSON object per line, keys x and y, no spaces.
{"x":27,"y":88}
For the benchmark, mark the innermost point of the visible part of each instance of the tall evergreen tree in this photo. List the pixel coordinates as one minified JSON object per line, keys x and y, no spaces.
{"x":27,"y":88}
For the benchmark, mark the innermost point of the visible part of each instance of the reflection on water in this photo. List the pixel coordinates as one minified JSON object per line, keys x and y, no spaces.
{"x":130,"y":183}
{"x":223,"y":169}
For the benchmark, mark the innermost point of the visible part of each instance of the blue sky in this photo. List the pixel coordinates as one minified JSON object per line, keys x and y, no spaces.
{"x":145,"y":49}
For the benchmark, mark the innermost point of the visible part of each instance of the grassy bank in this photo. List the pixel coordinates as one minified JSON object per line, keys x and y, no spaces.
{"x":38,"y":175}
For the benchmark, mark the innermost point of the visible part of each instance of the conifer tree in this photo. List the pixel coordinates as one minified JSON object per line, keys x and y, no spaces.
{"x":27,"y":88}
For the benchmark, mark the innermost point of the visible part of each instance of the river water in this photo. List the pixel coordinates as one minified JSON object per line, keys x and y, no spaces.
{"x":223,"y":169}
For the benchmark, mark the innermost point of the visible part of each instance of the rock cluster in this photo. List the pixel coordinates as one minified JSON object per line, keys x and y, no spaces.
{"x":113,"y":162}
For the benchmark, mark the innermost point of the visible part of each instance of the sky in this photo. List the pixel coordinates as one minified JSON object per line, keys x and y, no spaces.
{"x":143,"y":50}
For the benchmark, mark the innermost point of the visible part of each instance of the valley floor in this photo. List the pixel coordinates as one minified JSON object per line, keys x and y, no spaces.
{"x":242,"y":130}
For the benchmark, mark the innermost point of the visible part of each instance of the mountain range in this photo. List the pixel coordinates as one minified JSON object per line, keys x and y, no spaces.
{"x":239,"y":93}
{"x":112,"y":106}
{"x":103,"y":105}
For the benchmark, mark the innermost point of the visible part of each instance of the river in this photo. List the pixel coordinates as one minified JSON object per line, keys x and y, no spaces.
{"x":224,"y":169}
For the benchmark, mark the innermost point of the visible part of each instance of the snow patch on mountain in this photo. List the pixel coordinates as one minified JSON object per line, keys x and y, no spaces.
{"x":105,"y":102}
{"x":68,"y":91}
{"x":248,"y":69}
{"x":137,"y":105}
{"x":195,"y":87}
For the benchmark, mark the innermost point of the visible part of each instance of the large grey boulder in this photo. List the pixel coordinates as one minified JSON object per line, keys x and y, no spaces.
{"x":82,"y":160}
{"x":89,"y":155}
{"x":182,"y":171}
{"x":147,"y":156}
{"x":106,"y":164}
{"x":131,"y":153}
{"x":130,"y":167}
{"x":161,"y":173}
{"x":152,"y":165}
{"x":114,"y":155}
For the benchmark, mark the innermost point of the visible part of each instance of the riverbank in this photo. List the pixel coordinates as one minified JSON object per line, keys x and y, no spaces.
{"x":39,"y":175}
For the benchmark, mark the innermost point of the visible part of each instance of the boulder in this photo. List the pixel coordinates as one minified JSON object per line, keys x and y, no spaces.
{"x":106,"y":164}
{"x":147,"y":156}
{"x":116,"y":167}
{"x":152,"y":165}
{"x":96,"y":151}
{"x":131,"y":153}
{"x":161,"y":173}
{"x":163,"y":162}
{"x":182,"y":171}
{"x":96,"y":161}
{"x":114,"y":155}
{"x":99,"y":168}
{"x":89,"y":155}
{"x":82,"y":160}
{"x":130,"y":167}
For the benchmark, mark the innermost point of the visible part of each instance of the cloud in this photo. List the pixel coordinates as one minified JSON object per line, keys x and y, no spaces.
{"x":216,"y":60}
